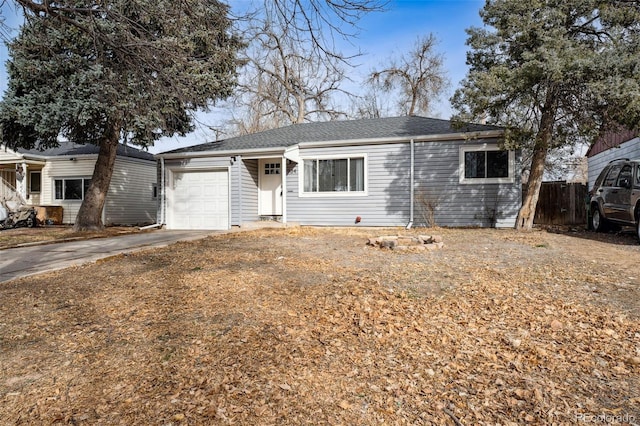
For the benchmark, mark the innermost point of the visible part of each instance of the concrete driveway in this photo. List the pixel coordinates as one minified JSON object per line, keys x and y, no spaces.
{"x":24,"y":261}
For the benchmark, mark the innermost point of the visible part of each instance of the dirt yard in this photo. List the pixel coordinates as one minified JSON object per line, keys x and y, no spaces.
{"x":312,"y":326}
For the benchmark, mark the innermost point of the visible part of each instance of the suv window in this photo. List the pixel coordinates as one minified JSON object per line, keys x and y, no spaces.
{"x":638,"y":175}
{"x":612,"y":175}
{"x":625,"y":173}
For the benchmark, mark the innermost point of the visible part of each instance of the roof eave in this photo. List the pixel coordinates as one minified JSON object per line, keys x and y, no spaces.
{"x":405,"y":139}
{"x":339,"y":142}
{"x":220,"y":153}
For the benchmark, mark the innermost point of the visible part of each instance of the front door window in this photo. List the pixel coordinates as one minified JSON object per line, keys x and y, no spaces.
{"x":272,"y":168}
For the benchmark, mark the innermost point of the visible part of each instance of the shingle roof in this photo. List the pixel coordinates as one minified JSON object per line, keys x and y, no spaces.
{"x":71,"y":149}
{"x":382,"y":128}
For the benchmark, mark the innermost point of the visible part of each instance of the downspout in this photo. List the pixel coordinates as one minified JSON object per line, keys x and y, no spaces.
{"x":411,"y":179}
{"x":283,"y":187}
{"x":159,"y":220}
{"x":241,"y":201}
{"x":163,"y":193}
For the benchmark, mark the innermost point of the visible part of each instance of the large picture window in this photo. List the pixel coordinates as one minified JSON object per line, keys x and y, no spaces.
{"x":486,"y":164}
{"x":71,"y":189}
{"x":334,"y":175}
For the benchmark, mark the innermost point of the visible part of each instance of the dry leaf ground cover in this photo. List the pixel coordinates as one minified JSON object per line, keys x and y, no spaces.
{"x":20,"y":236}
{"x":311,"y":326}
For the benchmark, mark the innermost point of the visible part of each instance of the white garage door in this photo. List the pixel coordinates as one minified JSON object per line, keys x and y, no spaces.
{"x":200,"y":200}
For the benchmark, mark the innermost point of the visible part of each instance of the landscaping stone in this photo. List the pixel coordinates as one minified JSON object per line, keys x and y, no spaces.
{"x":407,"y":243}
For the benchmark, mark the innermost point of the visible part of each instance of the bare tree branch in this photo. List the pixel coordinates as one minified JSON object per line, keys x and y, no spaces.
{"x":283,"y":84}
{"x":419,"y":75}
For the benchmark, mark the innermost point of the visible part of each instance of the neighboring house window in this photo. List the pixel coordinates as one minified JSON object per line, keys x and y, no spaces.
{"x":486,"y":164}
{"x":35,"y":179}
{"x":71,"y":189}
{"x":334,"y":175}
{"x":154,"y":192}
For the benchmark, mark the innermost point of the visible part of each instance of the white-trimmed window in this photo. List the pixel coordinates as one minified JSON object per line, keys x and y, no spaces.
{"x":71,"y":189}
{"x":334,"y":175}
{"x":486,"y":164}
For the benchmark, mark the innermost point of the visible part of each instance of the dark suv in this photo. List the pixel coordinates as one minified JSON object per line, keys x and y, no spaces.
{"x":615,"y":197}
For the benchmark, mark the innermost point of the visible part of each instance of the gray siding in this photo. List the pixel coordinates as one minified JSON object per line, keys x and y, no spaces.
{"x":235,"y":182}
{"x":64,"y":169}
{"x":249,"y":191}
{"x":130,"y":197}
{"x":244,"y":192}
{"x":629,"y":149}
{"x":388,"y":199}
{"x":129,"y":200}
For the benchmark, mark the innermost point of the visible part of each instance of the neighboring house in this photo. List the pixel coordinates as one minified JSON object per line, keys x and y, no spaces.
{"x":59,"y":177}
{"x":624,"y":144}
{"x":371,"y":172}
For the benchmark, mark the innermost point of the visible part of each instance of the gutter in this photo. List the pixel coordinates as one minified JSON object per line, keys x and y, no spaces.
{"x":423,"y":138}
{"x":193,"y":154}
{"x":289,"y":151}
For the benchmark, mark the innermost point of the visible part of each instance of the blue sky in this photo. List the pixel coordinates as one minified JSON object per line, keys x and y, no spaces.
{"x":381,"y":35}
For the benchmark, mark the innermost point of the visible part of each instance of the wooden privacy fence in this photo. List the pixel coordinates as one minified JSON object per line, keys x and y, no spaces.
{"x":561,"y":203}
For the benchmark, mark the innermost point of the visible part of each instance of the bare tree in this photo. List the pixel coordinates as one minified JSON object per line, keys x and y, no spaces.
{"x":284,"y":83}
{"x":294,"y":67}
{"x":372,"y":104}
{"x":298,"y":37}
{"x":319,"y":22}
{"x":419,"y":76}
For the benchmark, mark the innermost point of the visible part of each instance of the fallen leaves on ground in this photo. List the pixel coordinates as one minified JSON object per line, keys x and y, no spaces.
{"x":311,"y":326}
{"x":56,"y":233}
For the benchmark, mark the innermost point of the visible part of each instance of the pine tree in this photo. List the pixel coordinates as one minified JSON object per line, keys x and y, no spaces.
{"x":554,"y":72}
{"x":115,"y":70}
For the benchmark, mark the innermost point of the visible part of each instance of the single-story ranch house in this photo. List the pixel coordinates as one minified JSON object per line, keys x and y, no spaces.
{"x":57,"y":177}
{"x":403,"y":171}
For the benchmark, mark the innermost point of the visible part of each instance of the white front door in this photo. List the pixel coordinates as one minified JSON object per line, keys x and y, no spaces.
{"x":270,"y":172}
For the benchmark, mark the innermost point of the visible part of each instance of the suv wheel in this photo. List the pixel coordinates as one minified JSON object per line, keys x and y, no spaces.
{"x":638,"y":227}
{"x":597,"y":221}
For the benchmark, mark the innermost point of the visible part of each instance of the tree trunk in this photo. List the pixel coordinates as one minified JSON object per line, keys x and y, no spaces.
{"x":90,"y":214}
{"x":528,"y":210}
{"x":412,"y":107}
{"x":543,"y":140}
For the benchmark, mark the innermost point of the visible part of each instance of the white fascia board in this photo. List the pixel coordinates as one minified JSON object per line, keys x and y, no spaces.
{"x":69,"y":157}
{"x":7,"y":149}
{"x":35,"y":162}
{"x":119,"y":158}
{"x":25,"y":160}
{"x":260,"y":152}
{"x":292,"y":153}
{"x":423,"y":138}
